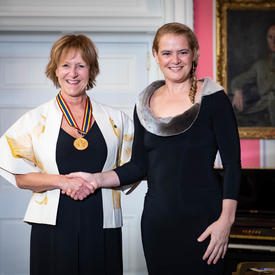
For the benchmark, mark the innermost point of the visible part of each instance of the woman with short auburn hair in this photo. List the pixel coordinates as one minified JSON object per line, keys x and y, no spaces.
{"x":73,"y":231}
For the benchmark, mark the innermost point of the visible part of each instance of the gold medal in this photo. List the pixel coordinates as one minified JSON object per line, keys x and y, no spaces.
{"x":81,"y":143}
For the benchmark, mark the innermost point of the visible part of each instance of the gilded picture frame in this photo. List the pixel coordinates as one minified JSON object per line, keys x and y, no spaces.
{"x":241,"y":27}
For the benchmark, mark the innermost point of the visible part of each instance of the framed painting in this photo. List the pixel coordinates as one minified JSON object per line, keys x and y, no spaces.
{"x":245,"y":63}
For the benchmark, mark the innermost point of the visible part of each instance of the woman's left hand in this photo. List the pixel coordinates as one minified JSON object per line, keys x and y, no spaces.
{"x":219,"y":233}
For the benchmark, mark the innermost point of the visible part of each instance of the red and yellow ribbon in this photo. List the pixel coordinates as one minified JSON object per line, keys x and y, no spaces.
{"x":87,"y":118}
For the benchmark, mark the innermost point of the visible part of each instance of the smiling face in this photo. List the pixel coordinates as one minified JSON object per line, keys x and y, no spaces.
{"x":72,"y":73}
{"x":174,"y":57}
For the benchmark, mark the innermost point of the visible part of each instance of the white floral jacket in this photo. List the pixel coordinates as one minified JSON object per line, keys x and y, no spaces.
{"x":30,"y":146}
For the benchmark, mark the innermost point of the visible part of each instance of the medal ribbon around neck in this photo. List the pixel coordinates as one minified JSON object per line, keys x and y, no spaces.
{"x":79,"y":143}
{"x":87,"y":118}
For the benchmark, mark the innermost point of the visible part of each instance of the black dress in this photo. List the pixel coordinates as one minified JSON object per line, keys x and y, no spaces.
{"x":78,"y":244}
{"x":184,"y":194}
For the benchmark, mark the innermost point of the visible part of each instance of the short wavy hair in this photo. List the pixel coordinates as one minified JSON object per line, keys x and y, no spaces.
{"x":79,"y":43}
{"x":178,"y":29}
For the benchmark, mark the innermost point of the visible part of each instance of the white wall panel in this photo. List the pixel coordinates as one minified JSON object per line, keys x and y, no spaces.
{"x":96,"y":8}
{"x":92,"y":15}
{"x":8,"y":116}
{"x":11,"y":248}
{"x":23,"y":73}
{"x":123,"y":74}
{"x":119,"y":72}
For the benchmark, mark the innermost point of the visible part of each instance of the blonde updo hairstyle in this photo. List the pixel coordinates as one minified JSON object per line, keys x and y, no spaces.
{"x":73,"y":42}
{"x":181,"y":29}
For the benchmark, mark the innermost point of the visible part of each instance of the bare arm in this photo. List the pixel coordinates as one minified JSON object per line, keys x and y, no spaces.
{"x":98,"y":180}
{"x":229,"y":210}
{"x":39,"y":182}
{"x":76,"y":188}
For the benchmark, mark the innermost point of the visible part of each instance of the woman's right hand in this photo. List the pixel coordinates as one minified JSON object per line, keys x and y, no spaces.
{"x":77,"y":187}
{"x":107,"y":179}
{"x":86,"y":177}
{"x":237,"y":100}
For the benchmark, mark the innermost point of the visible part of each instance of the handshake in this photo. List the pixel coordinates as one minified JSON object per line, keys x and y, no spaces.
{"x":78,"y":185}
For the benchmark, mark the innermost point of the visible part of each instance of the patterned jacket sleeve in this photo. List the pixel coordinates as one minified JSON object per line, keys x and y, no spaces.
{"x":16,"y":146}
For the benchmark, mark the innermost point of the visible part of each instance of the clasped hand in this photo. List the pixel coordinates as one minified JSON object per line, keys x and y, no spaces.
{"x":78,"y":186}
